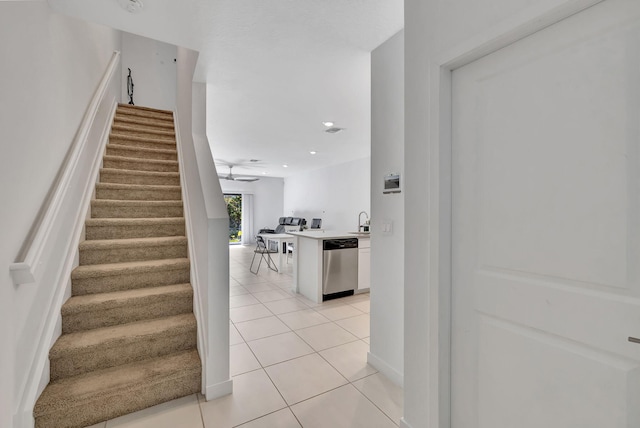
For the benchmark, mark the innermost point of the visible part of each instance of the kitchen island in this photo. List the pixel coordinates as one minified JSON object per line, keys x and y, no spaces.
{"x":308,"y":261}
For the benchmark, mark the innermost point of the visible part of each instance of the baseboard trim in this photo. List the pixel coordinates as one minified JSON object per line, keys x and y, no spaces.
{"x":404,"y":424}
{"x":392,"y":374}
{"x":219,"y":389}
{"x":23,"y":420}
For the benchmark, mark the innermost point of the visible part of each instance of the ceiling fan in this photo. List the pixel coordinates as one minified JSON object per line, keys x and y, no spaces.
{"x":232,"y":178}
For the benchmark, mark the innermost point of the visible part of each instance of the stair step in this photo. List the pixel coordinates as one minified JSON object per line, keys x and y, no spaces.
{"x":123,"y":228}
{"x":106,"y":394}
{"x":141,"y":152}
{"x":110,"y":277}
{"x":91,"y":311}
{"x":154,"y":121}
{"x":136,"y":164}
{"x":141,"y":110}
{"x":123,"y":176}
{"x":138,"y":192}
{"x":105,"y":251}
{"x":86,"y":351}
{"x":142,"y":129}
{"x":109,"y":208}
{"x":142,"y":141}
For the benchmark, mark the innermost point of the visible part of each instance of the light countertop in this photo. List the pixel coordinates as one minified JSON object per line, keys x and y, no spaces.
{"x":329,"y":234}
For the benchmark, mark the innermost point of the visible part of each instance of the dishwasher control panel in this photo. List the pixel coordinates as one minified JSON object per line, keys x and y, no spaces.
{"x":339,"y":244}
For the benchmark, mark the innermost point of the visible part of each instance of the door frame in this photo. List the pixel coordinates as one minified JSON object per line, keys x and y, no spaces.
{"x":438,"y":328}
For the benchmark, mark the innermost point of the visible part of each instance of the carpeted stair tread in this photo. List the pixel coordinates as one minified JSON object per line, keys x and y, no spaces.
{"x":144,"y":114}
{"x":144,"y":227}
{"x":110,"y":208}
{"x":141,"y":141}
{"x":106,"y":394}
{"x":122,"y":162}
{"x":110,"y":269}
{"x":103,"y":251}
{"x":76,"y":353}
{"x":118,"y":299}
{"x":144,"y":110}
{"x":146,"y":187}
{"x":160,"y":141}
{"x":99,"y":244}
{"x":92,"y":311}
{"x":111,"y":277}
{"x":133,"y":202}
{"x":156,"y":121}
{"x":141,"y":152}
{"x":135,"y":186}
{"x":138,"y":128}
{"x":123,"y":191}
{"x":112,"y":175}
{"x":144,"y":152}
{"x":133,"y":221}
{"x":70,"y":343}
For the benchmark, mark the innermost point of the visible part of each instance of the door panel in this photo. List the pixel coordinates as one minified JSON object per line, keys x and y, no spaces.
{"x":546,"y":228}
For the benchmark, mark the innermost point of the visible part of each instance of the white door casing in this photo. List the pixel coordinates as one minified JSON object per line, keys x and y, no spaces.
{"x":546,"y":228}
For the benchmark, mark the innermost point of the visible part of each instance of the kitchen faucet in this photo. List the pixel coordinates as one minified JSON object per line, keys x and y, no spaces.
{"x":360,"y":225}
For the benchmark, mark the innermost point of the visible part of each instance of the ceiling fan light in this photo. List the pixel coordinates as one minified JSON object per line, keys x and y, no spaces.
{"x":334,"y":130}
{"x":231,"y":177}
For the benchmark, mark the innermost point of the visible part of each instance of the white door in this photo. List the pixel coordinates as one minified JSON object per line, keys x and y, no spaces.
{"x":546,"y":228}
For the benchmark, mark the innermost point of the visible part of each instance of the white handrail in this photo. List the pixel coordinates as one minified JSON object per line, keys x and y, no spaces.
{"x":24,"y":270}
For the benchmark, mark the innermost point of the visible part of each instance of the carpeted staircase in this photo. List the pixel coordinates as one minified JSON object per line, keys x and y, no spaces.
{"x":128,"y":331}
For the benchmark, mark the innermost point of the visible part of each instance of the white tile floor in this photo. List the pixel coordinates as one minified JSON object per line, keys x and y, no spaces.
{"x":294,"y":363}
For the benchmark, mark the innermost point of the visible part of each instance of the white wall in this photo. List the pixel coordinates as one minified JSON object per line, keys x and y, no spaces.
{"x":435,"y":29}
{"x":268,"y":196}
{"x":50,"y":69}
{"x":336,"y":194}
{"x":153,"y":70}
{"x":207,"y":222}
{"x":387,"y":249}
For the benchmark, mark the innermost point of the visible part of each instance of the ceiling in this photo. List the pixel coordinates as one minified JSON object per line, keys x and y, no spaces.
{"x":275,"y":71}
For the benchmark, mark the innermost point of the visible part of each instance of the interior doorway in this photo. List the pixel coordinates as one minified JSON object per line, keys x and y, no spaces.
{"x":234,"y":208}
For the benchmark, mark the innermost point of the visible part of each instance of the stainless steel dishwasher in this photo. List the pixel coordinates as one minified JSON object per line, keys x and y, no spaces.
{"x":339,"y":267}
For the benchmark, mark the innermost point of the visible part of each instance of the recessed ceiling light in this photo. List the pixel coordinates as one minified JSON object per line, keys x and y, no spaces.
{"x":131,"y":6}
{"x":264,"y":173}
{"x":328,"y":124}
{"x":285,"y":166}
{"x":313,"y":152}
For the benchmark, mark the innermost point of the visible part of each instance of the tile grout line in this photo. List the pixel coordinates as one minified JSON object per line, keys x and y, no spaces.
{"x":200,"y":409}
{"x":349,"y":382}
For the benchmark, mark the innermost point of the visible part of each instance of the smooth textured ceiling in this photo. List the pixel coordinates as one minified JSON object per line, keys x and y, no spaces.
{"x":275,"y":70}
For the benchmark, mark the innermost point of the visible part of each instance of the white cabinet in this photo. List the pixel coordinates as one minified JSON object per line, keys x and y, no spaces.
{"x":364,"y":264}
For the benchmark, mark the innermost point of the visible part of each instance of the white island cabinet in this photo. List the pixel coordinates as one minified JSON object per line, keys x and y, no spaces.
{"x":364,"y":264}
{"x":308,"y":259}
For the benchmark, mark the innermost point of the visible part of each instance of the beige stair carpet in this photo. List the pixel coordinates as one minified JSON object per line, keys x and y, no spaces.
{"x":128,"y":331}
